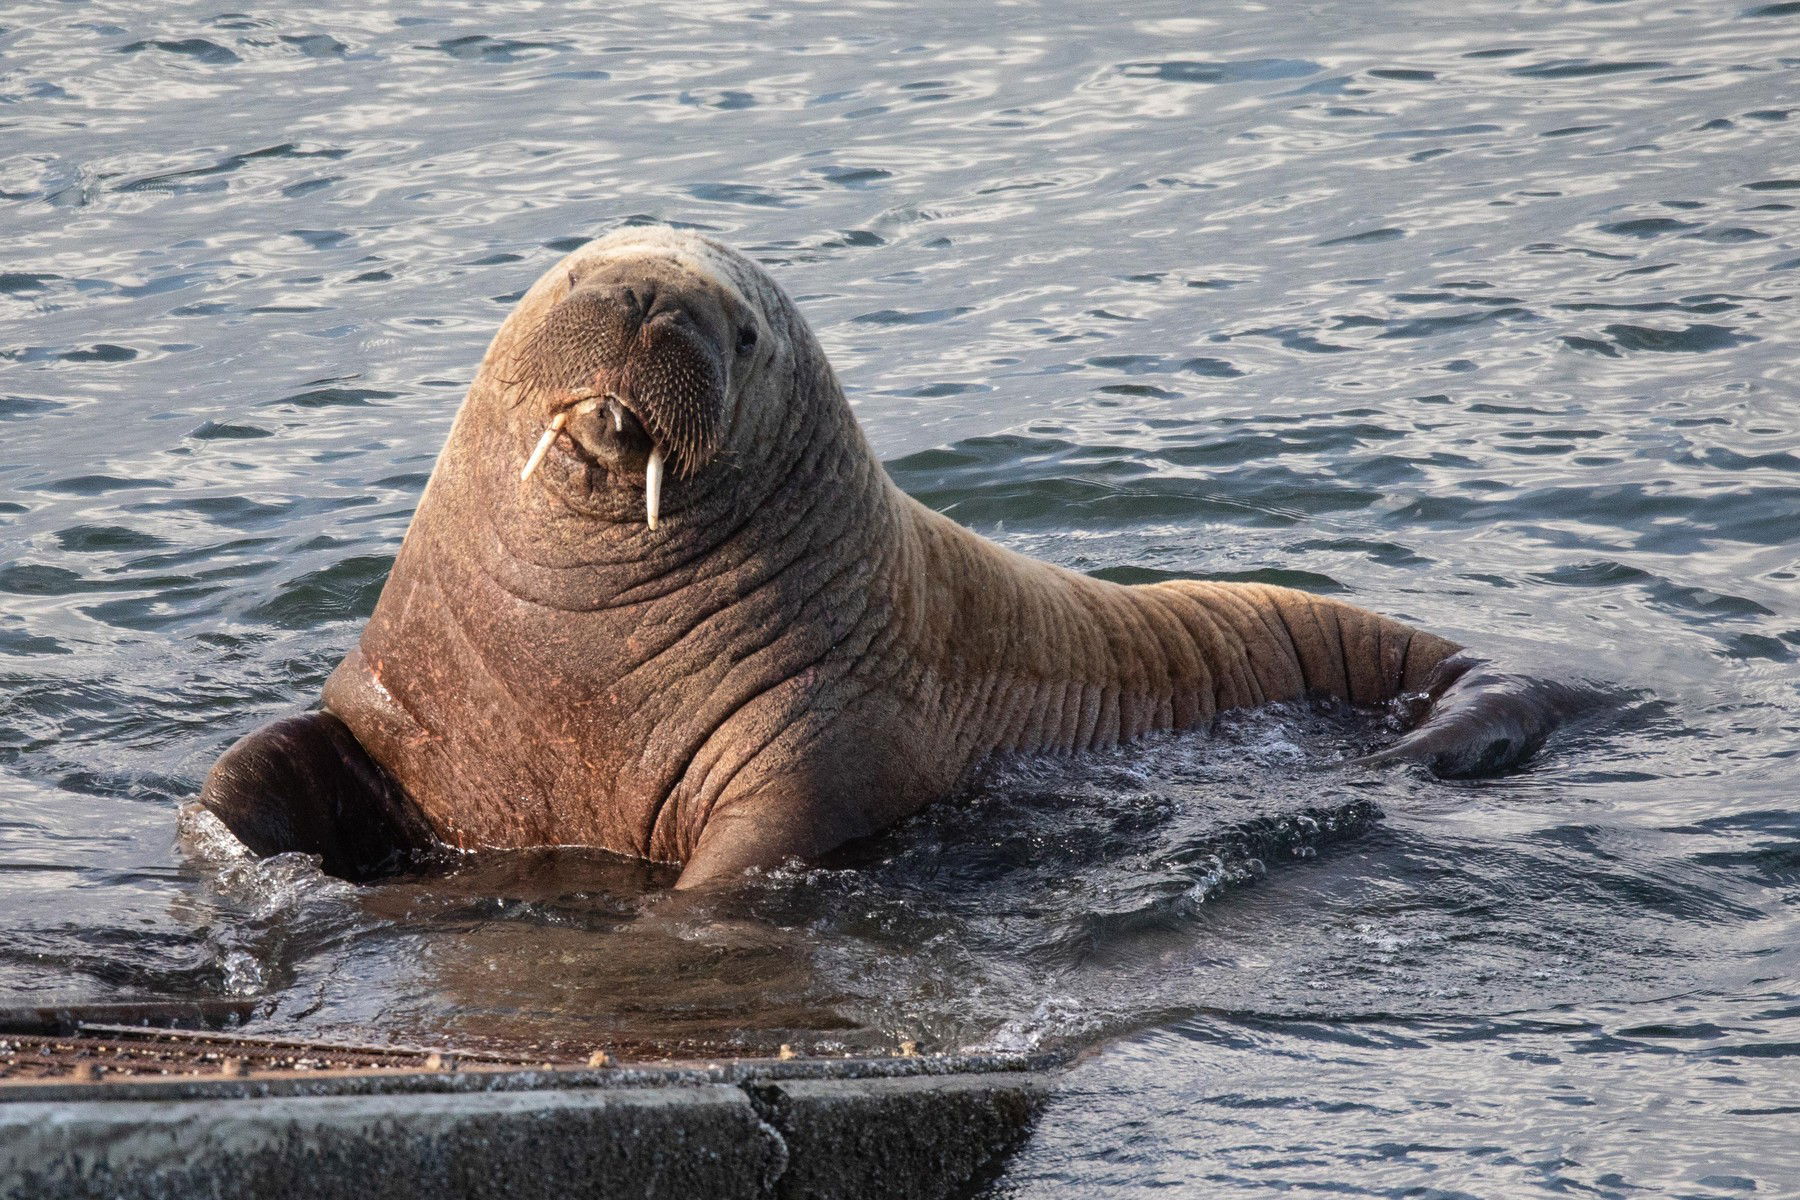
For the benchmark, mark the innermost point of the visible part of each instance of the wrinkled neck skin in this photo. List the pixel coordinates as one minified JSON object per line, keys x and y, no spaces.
{"x":543,"y":668}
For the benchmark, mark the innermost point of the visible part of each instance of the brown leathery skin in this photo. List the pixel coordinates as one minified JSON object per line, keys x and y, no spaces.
{"x":799,"y":654}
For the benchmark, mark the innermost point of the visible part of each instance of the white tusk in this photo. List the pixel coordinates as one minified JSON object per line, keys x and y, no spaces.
{"x":543,"y":446}
{"x":653,"y":486}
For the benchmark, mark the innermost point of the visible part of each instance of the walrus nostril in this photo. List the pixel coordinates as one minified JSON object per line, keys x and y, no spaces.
{"x":668,"y":308}
{"x":640,"y":301}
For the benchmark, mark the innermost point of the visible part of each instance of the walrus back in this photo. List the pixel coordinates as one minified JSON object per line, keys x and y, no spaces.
{"x":1290,"y":644}
{"x":1032,"y":657}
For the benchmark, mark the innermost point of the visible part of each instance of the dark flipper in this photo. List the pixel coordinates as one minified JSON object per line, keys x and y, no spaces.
{"x":1478,"y":720}
{"x":306,"y":784}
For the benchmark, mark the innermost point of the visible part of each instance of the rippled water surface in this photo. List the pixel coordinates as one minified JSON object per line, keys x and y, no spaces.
{"x":1481,"y":315}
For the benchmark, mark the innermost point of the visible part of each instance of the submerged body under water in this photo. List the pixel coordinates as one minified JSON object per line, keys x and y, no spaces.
{"x":1484,"y":321}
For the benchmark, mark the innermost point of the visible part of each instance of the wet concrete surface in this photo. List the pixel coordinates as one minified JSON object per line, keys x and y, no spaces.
{"x":910,"y":1128}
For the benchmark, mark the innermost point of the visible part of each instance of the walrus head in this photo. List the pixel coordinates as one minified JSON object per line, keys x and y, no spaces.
{"x":647,"y":355}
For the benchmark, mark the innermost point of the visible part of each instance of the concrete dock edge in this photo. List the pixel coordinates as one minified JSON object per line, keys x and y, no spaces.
{"x":915,"y":1129}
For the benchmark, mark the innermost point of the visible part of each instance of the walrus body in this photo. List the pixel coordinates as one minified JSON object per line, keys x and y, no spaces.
{"x":776,"y":652}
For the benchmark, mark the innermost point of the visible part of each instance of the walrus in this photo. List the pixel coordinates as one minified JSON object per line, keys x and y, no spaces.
{"x":660,"y":597}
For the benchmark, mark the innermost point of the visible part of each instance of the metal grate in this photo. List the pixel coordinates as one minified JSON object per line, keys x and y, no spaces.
{"x":138,"y":1041}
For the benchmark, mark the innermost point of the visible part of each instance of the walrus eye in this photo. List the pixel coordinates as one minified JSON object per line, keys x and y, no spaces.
{"x":746,"y":339}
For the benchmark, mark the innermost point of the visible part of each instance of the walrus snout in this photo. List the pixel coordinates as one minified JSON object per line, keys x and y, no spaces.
{"x":652,"y":342}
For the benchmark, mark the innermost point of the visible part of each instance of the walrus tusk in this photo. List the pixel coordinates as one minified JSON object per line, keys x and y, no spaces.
{"x":653,"y":486}
{"x":543,"y":446}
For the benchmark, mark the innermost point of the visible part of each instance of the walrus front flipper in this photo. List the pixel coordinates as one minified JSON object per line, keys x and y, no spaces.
{"x":1479,"y":720}
{"x":306,"y":784}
